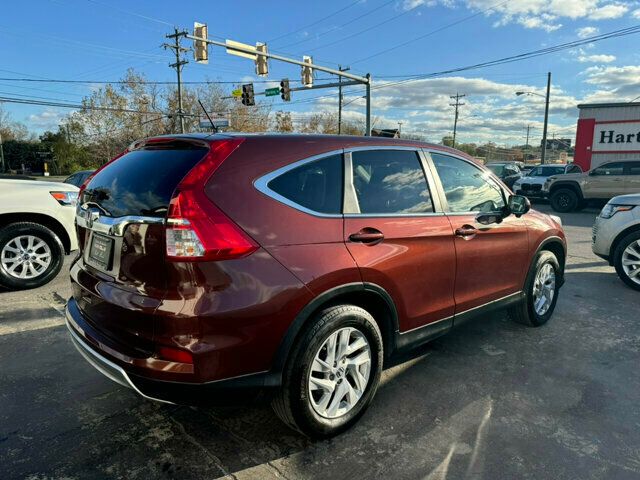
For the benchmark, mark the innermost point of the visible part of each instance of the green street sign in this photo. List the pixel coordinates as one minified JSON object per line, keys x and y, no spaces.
{"x":236,"y":93}
{"x":270,"y":92}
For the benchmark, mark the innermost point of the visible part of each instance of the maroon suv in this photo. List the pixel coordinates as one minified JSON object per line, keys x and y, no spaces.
{"x":216,"y":266}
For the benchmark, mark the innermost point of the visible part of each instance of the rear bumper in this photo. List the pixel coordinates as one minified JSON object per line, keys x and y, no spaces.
{"x":222,"y":392}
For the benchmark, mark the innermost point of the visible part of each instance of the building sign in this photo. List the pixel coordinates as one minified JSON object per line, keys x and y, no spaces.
{"x":616,"y":137}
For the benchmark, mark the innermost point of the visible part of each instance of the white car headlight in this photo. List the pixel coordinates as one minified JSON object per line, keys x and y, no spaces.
{"x":611,"y":209}
{"x":66,"y":198}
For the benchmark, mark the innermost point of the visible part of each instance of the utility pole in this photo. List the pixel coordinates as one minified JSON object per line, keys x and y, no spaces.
{"x":543,"y":154}
{"x":340,"y":99}
{"x":457,"y":98}
{"x":179,"y":63}
{"x":399,"y":129}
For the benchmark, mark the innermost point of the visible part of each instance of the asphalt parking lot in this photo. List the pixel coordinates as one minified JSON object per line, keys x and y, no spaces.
{"x":492,"y":400}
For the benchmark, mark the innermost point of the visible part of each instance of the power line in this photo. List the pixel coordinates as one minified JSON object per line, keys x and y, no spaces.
{"x":338,"y":27}
{"x":128,"y":12}
{"x":70,"y":105}
{"x":316,"y":22}
{"x":384,"y":22}
{"x":432,"y":32}
{"x":143,"y":82}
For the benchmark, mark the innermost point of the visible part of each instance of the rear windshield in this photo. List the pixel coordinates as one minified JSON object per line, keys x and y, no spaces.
{"x":142,"y":182}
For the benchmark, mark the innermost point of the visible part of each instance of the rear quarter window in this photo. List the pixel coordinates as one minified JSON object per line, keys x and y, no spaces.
{"x":316,"y":186}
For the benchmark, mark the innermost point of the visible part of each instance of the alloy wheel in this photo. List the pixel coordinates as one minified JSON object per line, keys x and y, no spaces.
{"x":339,"y":373}
{"x":26,"y":257}
{"x":544,"y":289}
{"x":631,"y":261}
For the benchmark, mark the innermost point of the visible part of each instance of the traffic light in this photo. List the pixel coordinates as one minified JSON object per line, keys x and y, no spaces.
{"x":307,"y":72}
{"x":247,"y":95}
{"x":285,"y":91}
{"x":200,"y":48}
{"x":262,"y":63}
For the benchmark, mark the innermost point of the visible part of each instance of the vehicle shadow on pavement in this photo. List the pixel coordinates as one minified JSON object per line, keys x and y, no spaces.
{"x":474,"y":403}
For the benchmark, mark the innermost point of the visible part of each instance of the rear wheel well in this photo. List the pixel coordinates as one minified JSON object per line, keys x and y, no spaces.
{"x":49,"y":222}
{"x":618,"y":239}
{"x":375,"y":305}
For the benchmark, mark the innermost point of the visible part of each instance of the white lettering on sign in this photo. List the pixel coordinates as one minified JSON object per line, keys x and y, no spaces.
{"x":616,"y":137}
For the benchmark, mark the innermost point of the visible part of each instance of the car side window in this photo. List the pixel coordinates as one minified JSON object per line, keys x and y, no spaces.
{"x":390,"y":181}
{"x":574,"y":169}
{"x":316,"y":185}
{"x":633,"y":168}
{"x":467,"y":187}
{"x":616,"y":168}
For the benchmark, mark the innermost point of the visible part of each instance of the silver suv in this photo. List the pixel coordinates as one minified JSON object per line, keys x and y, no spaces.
{"x":616,"y":237}
{"x":573,"y":191}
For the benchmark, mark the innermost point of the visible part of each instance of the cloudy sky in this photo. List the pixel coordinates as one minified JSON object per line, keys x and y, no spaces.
{"x":96,"y":40}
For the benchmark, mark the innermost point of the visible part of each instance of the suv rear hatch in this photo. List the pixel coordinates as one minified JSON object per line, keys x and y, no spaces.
{"x":124,"y":220}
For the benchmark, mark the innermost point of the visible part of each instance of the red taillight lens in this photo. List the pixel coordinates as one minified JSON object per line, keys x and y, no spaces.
{"x":196,"y":228}
{"x":175,"y":355}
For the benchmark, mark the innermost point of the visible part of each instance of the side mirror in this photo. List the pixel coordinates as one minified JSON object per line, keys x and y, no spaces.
{"x":519,"y":205}
{"x":489,"y":218}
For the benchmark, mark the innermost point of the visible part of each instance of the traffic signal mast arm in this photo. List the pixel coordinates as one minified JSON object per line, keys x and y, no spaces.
{"x":253,"y":51}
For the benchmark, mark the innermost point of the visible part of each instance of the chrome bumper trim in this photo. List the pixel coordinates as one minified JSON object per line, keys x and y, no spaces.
{"x":103,"y":365}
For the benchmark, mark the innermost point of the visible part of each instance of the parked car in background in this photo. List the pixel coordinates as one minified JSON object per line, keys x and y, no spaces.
{"x":573,"y":191}
{"x":78,"y":178}
{"x":508,"y":172}
{"x":525,"y":169}
{"x":36,"y":231}
{"x":212,"y":266}
{"x":616,"y":237}
{"x":530,"y":184}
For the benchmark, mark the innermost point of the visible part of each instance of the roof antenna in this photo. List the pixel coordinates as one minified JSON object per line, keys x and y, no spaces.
{"x":215,"y":129}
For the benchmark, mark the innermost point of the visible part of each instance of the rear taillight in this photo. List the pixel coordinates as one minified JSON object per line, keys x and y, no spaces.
{"x":196,"y":229}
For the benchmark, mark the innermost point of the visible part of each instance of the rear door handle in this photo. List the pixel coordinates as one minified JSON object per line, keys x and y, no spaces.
{"x":368,"y":235}
{"x":466,"y":231}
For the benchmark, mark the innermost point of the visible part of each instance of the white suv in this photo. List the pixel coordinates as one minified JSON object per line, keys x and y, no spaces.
{"x":36,"y":231}
{"x":616,"y":237}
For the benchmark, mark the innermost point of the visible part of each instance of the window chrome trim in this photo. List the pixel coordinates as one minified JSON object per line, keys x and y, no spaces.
{"x":262,"y":184}
{"x":91,"y":218}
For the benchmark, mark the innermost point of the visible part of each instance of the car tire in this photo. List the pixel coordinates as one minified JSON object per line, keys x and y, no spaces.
{"x":623,"y":253}
{"x":47,"y":255}
{"x":564,"y":200}
{"x":301,"y":402}
{"x":544,"y":271}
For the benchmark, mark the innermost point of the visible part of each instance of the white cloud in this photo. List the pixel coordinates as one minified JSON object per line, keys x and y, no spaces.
{"x":540,"y":14}
{"x":587,"y":32}
{"x":636,"y":13}
{"x":596,"y":58}
{"x":48,"y":119}
{"x":613,"y":10}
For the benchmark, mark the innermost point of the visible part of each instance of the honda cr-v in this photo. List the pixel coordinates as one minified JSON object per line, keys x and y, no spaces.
{"x":214,"y":267}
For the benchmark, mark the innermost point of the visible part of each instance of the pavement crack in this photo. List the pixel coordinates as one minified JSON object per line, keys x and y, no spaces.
{"x":278,"y":471}
{"x":216,"y":461}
